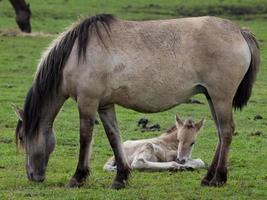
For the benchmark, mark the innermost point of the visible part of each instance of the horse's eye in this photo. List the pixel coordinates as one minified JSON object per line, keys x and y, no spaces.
{"x":192,"y":143}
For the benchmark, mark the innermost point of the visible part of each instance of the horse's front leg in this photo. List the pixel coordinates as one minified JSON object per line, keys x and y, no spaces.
{"x":87,"y":120}
{"x":109,"y":121}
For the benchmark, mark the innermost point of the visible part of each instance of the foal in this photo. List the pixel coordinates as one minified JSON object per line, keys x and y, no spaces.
{"x":170,"y":151}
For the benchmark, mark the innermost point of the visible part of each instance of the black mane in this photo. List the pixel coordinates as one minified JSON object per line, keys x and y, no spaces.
{"x":49,"y":76}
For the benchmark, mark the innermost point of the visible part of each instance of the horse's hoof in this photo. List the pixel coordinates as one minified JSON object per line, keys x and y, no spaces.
{"x":216,"y":183}
{"x":117,"y":185}
{"x":73,"y":183}
{"x":205,"y":182}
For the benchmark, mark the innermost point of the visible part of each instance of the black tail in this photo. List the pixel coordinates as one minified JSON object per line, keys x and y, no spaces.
{"x":243,"y":92}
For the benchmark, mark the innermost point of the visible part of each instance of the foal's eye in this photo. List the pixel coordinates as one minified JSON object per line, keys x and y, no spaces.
{"x":192,"y":143}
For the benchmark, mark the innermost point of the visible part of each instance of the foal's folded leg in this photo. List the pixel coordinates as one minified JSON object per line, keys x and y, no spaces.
{"x":195,"y":164}
{"x":145,"y":165}
{"x":110,"y":165}
{"x":147,"y":160}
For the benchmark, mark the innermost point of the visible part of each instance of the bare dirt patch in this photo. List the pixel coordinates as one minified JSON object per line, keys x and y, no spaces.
{"x":17,"y":33}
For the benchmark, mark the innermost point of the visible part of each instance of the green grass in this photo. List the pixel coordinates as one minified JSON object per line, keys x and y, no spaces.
{"x":18,"y":59}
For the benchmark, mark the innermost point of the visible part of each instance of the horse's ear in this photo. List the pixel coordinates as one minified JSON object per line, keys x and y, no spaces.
{"x":18,"y":111}
{"x":199,"y":124}
{"x":179,"y":122}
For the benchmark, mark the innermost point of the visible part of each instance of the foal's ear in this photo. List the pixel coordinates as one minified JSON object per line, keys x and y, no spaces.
{"x":18,"y":111}
{"x":179,"y":122}
{"x":199,"y":124}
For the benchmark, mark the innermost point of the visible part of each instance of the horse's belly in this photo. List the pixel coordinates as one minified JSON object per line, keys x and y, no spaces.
{"x":152,"y":83}
{"x":150,"y":99}
{"x":148,"y":106}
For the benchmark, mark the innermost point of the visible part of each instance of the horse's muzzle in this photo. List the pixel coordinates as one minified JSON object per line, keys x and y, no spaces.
{"x":35,"y":178}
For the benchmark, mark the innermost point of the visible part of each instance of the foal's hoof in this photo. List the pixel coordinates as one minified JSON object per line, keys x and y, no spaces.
{"x":73,"y":183}
{"x":117,"y":185}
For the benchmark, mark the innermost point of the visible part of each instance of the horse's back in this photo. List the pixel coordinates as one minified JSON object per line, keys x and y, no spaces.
{"x":151,"y":66}
{"x":169,"y":58}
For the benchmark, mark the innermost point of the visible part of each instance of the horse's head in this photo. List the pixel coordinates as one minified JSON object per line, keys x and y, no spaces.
{"x":23,"y":19}
{"x":186,"y":136}
{"x":37,"y":148}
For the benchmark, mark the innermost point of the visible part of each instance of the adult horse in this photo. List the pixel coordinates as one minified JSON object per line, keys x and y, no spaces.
{"x":148,"y":66}
{"x":23,"y":14}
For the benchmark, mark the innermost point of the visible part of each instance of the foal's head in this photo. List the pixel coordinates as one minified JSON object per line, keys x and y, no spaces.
{"x":38,"y":149}
{"x":187,"y":132}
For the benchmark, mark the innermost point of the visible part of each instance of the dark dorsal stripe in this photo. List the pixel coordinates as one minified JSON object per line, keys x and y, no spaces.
{"x":171,"y":129}
{"x":49,"y":76}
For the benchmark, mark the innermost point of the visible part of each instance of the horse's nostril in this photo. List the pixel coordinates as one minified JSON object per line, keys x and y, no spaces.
{"x":35,"y":178}
{"x":30,"y":175}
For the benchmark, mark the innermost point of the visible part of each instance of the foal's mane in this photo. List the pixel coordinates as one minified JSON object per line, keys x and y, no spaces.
{"x":170,"y":130}
{"x":49,"y":73}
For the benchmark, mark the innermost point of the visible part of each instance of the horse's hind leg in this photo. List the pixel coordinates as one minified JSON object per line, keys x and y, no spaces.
{"x":222,"y":113}
{"x":109,"y":121}
{"x":213,"y":166}
{"x":87,"y":114}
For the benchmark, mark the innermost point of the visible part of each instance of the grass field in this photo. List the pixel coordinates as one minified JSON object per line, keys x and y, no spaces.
{"x":19,"y":56}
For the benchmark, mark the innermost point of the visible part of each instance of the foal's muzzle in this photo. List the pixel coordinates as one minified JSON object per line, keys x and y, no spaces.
{"x":180,"y":161}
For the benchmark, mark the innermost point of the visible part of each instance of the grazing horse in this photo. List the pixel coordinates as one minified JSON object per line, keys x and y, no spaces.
{"x":23,"y":14}
{"x":148,"y":66}
{"x":170,"y":151}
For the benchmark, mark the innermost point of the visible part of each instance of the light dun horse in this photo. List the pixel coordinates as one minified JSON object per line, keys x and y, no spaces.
{"x":161,"y":153}
{"x":148,"y":66}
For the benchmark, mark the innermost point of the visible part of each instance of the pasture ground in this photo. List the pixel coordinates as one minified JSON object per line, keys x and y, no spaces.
{"x":19,"y":56}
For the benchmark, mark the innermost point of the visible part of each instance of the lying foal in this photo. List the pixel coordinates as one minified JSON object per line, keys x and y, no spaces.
{"x":170,"y":151}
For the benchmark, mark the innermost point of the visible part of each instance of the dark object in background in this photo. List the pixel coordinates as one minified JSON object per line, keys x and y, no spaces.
{"x":154,"y":127}
{"x":142,"y":123}
{"x":257,"y":133}
{"x":257,"y":117}
{"x":23,"y":14}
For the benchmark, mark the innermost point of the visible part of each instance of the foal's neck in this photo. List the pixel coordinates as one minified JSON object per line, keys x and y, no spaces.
{"x":170,"y":138}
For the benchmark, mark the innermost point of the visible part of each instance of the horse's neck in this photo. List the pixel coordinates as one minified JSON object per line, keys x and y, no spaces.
{"x":51,"y":109}
{"x":19,"y":6}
